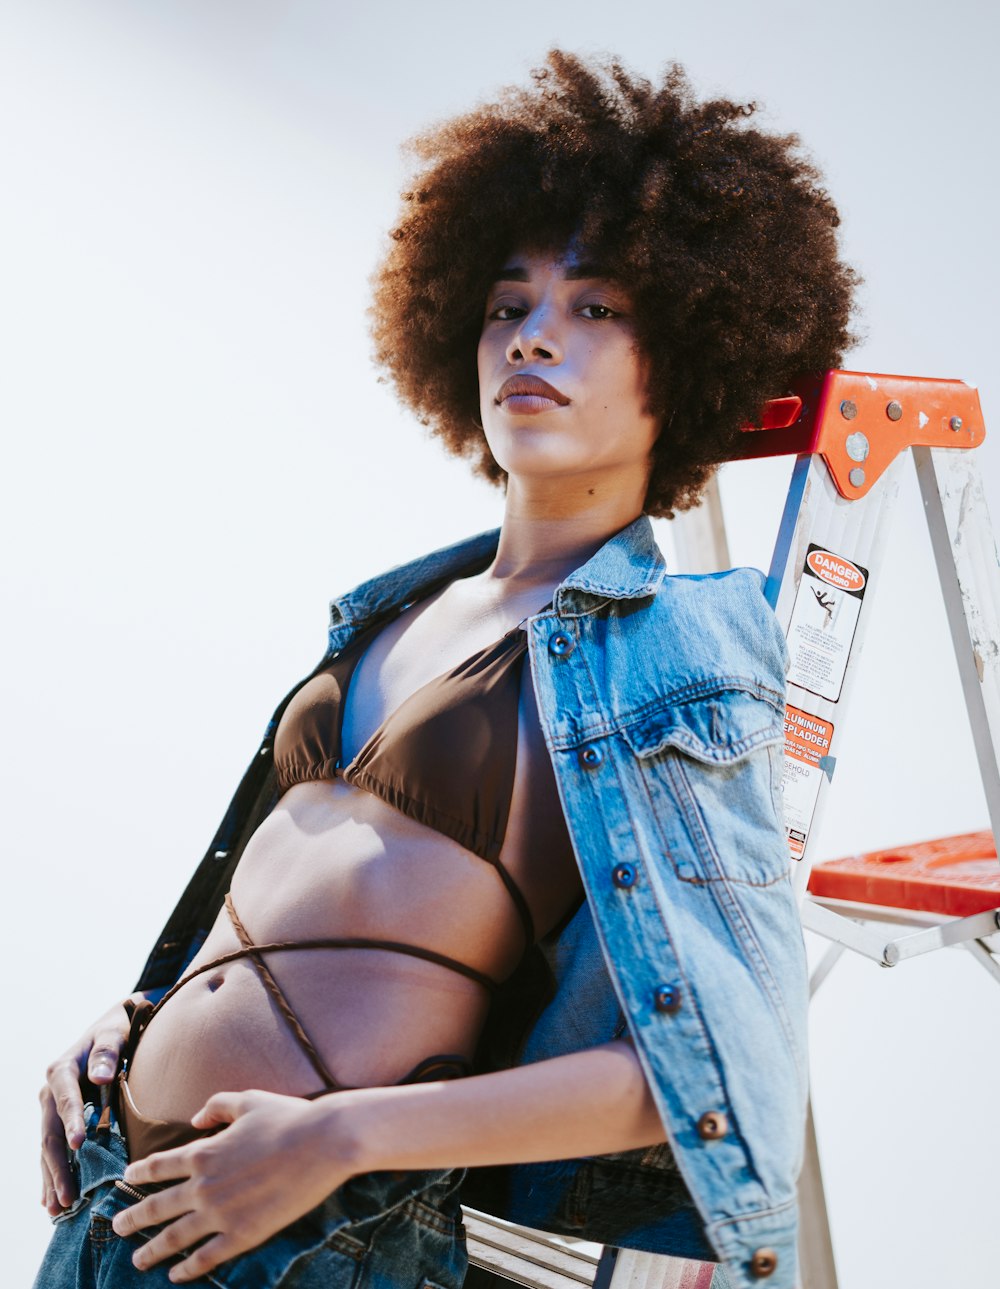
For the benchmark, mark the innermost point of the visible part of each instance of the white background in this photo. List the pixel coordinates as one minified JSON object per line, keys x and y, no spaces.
{"x":197,"y":455}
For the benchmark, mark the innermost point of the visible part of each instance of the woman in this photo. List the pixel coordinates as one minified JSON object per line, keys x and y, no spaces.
{"x":531,"y":739}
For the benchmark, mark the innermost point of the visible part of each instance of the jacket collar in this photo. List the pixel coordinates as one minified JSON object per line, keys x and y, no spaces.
{"x":629,"y":565}
{"x":412,"y":581}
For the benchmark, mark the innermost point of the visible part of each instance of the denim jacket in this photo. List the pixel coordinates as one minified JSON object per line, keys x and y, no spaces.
{"x":661,"y":699}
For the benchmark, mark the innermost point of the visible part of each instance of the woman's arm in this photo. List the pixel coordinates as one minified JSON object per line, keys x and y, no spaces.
{"x":588,"y":1103}
{"x":282,"y":1155}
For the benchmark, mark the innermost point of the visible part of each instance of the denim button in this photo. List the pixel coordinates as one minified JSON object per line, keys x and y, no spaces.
{"x":591,"y":756}
{"x":667,"y":998}
{"x":712,"y":1125}
{"x":763,"y":1263}
{"x":560,"y":644}
{"x":623,"y":875}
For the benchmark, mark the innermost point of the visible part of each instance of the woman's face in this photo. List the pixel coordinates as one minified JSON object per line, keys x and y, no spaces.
{"x":562,"y":384}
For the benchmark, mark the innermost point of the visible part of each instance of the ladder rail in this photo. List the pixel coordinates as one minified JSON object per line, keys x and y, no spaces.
{"x":969,"y":572}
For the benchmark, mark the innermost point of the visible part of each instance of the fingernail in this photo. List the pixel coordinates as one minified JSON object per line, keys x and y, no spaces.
{"x":102,"y":1070}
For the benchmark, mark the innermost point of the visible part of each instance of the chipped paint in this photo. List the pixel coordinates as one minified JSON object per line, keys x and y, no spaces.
{"x":922,"y":419}
{"x":986,"y":654}
{"x":872,"y":383}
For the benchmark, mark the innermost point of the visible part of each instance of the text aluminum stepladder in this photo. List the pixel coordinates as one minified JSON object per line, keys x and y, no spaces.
{"x":849,"y":432}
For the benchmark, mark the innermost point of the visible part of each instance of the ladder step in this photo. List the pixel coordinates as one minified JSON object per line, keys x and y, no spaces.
{"x":533,"y":1259}
{"x":952,"y":876}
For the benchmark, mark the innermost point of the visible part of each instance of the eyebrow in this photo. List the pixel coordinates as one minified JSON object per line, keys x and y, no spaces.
{"x":514,"y":273}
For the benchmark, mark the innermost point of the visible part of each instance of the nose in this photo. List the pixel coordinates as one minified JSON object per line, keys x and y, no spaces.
{"x":537,"y":338}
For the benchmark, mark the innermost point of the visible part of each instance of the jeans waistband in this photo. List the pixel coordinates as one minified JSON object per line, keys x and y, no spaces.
{"x":339,"y":1228}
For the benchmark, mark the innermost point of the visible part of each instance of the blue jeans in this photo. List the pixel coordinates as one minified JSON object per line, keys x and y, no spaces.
{"x":378,"y":1231}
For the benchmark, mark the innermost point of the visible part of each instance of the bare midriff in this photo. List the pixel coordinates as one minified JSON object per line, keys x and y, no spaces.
{"x":334,"y":861}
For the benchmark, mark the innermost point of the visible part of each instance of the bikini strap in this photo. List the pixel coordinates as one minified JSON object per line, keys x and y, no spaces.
{"x":429,"y":1070}
{"x":519,"y":902}
{"x":253,"y":952}
{"x":142,"y":1013}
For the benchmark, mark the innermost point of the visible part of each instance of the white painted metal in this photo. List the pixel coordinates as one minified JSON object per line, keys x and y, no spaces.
{"x":879,"y":912}
{"x":984,"y":957}
{"x":970,"y":577}
{"x":956,"y":931}
{"x":816,"y":513}
{"x":528,"y":1257}
{"x":825,"y":965}
{"x":969,"y":572}
{"x":817,"y":1269}
{"x":869,"y":942}
{"x":700,"y":534}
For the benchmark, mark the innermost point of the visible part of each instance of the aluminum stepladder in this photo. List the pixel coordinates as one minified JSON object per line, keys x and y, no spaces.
{"x":849,"y":432}
{"x":841,"y":498}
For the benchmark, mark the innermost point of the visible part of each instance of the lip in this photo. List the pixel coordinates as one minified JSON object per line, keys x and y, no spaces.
{"x":527,"y":393}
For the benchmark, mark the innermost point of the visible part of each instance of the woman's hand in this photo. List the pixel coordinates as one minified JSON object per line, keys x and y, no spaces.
{"x":96,"y":1053}
{"x":275,"y":1162}
{"x":283,"y":1155}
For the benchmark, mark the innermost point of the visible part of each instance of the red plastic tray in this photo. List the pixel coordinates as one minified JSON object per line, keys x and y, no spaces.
{"x":953,"y":876}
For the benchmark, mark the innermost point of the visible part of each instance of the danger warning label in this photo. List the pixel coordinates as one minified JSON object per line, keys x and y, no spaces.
{"x":824,"y":620}
{"x":807,"y":744}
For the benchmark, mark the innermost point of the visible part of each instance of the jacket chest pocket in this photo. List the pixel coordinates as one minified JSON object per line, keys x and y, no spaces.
{"x":711,"y":769}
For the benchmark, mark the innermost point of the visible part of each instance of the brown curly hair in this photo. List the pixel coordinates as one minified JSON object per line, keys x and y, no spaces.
{"x":722,"y":234}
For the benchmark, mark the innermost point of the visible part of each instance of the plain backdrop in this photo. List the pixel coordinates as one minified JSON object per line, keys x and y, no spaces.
{"x":197,"y":454}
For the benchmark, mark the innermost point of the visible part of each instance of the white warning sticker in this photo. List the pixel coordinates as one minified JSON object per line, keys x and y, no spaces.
{"x":807,"y":746}
{"x":824,"y":620}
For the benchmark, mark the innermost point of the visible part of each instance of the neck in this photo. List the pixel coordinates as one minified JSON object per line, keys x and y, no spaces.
{"x":551,"y":527}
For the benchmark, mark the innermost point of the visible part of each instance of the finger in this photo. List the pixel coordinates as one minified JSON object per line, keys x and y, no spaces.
{"x":102,"y":1064}
{"x":166,"y":1166}
{"x":55,"y":1161}
{"x":154,"y":1210}
{"x":205,"y":1258}
{"x":223,"y":1107}
{"x":50,"y":1200}
{"x":177,"y":1237}
{"x":64,"y":1091}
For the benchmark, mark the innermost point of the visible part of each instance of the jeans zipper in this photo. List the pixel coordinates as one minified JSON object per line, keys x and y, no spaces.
{"x":132,"y":1192}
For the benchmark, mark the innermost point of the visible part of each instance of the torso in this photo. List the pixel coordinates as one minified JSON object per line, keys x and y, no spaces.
{"x":332,"y":860}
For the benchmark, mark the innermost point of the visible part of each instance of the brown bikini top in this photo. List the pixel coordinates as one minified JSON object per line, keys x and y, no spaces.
{"x":445,"y":757}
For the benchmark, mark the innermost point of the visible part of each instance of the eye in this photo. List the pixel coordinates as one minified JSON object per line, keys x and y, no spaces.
{"x":597,"y":312}
{"x":506,"y":313}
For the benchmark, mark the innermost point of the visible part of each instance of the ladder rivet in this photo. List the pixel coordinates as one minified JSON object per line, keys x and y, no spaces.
{"x":857,"y":477}
{"x":955,"y":422}
{"x":848,"y":410}
{"x":857,"y":446}
{"x":894,"y":411}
